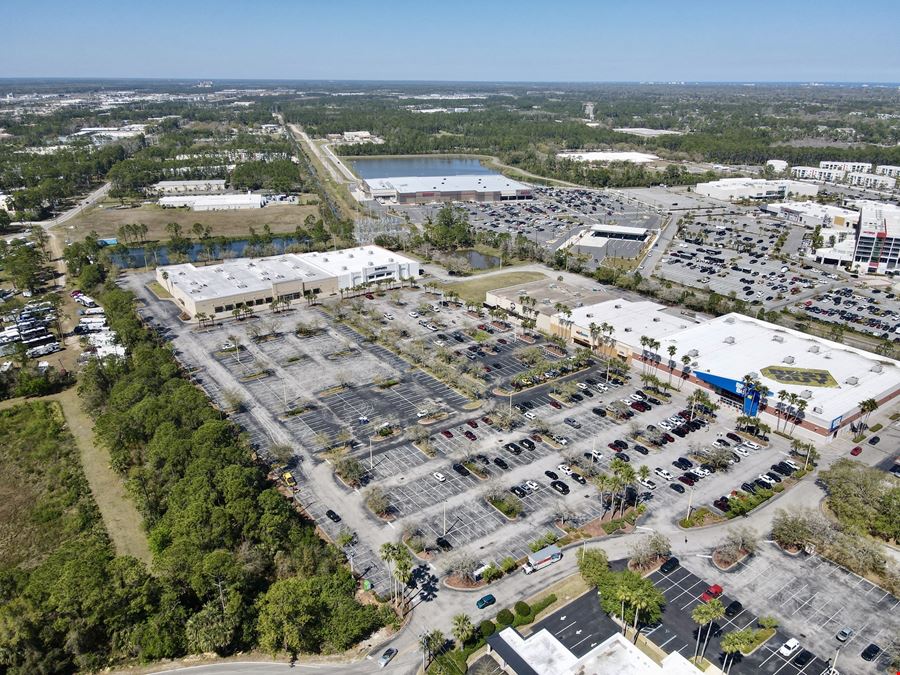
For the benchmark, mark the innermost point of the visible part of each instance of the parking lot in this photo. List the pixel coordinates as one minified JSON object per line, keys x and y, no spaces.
{"x":730,"y":256}
{"x":678,"y":632}
{"x":871,"y":311}
{"x":814,"y":599}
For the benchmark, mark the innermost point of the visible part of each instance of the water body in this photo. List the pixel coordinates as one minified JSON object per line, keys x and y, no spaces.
{"x":478,"y":261}
{"x":136,"y":256}
{"x":389,"y":167}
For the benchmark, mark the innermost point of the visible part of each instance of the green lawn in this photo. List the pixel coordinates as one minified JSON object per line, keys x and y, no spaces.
{"x":474,"y":290}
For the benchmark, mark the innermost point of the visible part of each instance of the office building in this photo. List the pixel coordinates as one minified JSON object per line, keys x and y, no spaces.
{"x":878,"y":238}
{"x":872,"y":181}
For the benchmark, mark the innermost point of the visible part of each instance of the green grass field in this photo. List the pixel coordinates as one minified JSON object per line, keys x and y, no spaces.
{"x":474,"y":290}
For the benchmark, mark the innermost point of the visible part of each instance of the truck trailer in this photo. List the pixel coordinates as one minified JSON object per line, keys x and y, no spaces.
{"x":540,"y":559}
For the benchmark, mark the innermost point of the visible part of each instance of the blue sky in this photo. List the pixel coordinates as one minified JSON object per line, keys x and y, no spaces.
{"x":562,"y":40}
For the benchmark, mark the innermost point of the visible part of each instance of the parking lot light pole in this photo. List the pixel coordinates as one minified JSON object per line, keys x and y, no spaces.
{"x":371,"y":462}
{"x":445,"y":519}
{"x":690,"y":502}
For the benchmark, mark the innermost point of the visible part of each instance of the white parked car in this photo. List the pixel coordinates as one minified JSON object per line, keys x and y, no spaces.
{"x":439,"y":477}
{"x":791,"y":463}
{"x":647,"y":483}
{"x":531,"y":485}
{"x":662,"y":473}
{"x":665,"y":425}
{"x":741,"y":450}
{"x":765,"y":479}
{"x":701,"y":471}
{"x":581,"y":385}
{"x":751,"y":445}
{"x":790,"y":647}
{"x":635,"y":397}
{"x":414,"y":315}
{"x":564,"y":468}
{"x":530,"y":415}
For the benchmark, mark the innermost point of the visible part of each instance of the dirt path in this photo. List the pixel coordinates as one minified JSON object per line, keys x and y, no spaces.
{"x":120,"y":515}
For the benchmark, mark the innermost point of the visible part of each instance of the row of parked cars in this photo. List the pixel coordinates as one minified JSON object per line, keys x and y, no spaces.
{"x":765,"y":481}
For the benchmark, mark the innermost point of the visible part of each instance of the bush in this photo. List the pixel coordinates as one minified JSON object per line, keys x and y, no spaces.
{"x":487,"y":628}
{"x":546,"y":540}
{"x":543,"y":604}
{"x":491,"y":573}
{"x":875,"y":428}
{"x":508,"y":564}
{"x":522,"y":608}
{"x":505,"y":617}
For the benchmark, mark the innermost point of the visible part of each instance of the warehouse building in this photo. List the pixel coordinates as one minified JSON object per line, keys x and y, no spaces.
{"x":830,"y":377}
{"x":214,"y":202}
{"x":735,"y":189}
{"x":217,"y":290}
{"x":428,"y":189}
{"x":187,"y":187}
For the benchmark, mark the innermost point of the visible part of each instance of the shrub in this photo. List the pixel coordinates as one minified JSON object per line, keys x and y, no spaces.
{"x":491,"y":573}
{"x":416,"y":543}
{"x":487,"y":628}
{"x":505,"y":617}
{"x":543,"y":604}
{"x":508,"y":564}
{"x":522,"y":608}
{"x":875,"y":428}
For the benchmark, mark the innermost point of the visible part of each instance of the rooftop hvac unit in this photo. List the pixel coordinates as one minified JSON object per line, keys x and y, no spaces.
{"x":656,"y":319}
{"x":852,"y":381}
{"x":370,"y":252}
{"x":788,"y":359}
{"x":349,"y":255}
{"x":628,"y":330}
{"x":729,"y":340}
{"x":618,"y":306}
{"x":817,"y":409}
{"x":806,"y":393}
{"x":390,"y":260}
{"x":876,"y":368}
{"x":343,"y":268}
{"x":814,"y":349}
{"x":777,"y":338}
{"x":730,"y":319}
{"x":693,"y":353}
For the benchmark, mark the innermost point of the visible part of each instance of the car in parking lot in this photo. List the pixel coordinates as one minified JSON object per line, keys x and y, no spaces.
{"x":499,"y":461}
{"x":683,"y":463}
{"x":560,"y":487}
{"x":662,"y":473}
{"x":870,"y":652}
{"x":790,"y":647}
{"x":874,"y":440}
{"x":386,"y":657}
{"x":572,"y":422}
{"x":517,"y":491}
{"x":461,"y":470}
{"x":564,"y":468}
{"x":527,"y":443}
{"x":446,"y":433}
{"x":856,"y":451}
{"x":472,"y":423}
{"x":803,"y":658}
{"x":713,"y":591}
{"x":468,"y":434}
{"x":531,"y":485}
{"x":332,"y":516}
{"x":439,"y":477}
{"x":844,"y":634}
{"x":552,"y":475}
{"x":600,"y":412}
{"x":686,"y":479}
{"x":485,"y":601}
{"x":669,"y":565}
{"x":647,"y":483}
{"x":733,"y":609}
{"x":676,"y":488}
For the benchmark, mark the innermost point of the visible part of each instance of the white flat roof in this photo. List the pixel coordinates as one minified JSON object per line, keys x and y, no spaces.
{"x":815,"y":209}
{"x":252,"y":275}
{"x":631,"y":319}
{"x":608,"y":156}
{"x":879,"y":217}
{"x":187,"y":183}
{"x":465,"y":183}
{"x":620,"y":229}
{"x":213,"y":200}
{"x":733,"y":345}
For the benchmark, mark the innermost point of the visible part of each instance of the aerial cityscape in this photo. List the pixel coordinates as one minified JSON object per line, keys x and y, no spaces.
{"x":473,"y":339}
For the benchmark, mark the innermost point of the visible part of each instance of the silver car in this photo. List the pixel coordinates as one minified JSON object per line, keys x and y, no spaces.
{"x":386,"y":657}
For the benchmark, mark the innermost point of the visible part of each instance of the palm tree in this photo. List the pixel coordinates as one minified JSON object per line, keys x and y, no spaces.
{"x":702,"y":616}
{"x":645,"y":343}
{"x":623,"y":594}
{"x":388,"y":553}
{"x":201,"y":318}
{"x":782,"y":397}
{"x":734,"y":642}
{"x":596,"y":332}
{"x":672,"y":349}
{"x":866,"y":408}
{"x":463,"y":630}
{"x":798,"y":414}
{"x":685,"y":362}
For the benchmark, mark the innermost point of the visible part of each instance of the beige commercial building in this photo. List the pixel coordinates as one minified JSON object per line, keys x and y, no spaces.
{"x":217,"y":290}
{"x":539,"y":300}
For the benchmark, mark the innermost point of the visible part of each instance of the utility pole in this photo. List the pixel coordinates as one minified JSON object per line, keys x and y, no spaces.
{"x":445,"y":519}
{"x":371,"y":463}
{"x":690,"y":501}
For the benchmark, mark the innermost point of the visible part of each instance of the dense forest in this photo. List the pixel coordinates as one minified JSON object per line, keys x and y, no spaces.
{"x":234,"y":566}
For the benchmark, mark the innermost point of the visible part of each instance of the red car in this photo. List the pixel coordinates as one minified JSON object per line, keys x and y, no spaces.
{"x":501,"y":341}
{"x":487,"y":420}
{"x":369,"y":296}
{"x":855,"y":451}
{"x":556,"y":404}
{"x":687,"y":480}
{"x":472,"y":423}
{"x":446,"y":434}
{"x":713,"y":591}
{"x":469,"y":435}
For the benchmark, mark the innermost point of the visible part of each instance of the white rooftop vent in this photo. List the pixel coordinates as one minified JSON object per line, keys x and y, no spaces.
{"x":817,"y":409}
{"x":349,"y":255}
{"x":876,"y":368}
{"x":390,"y":260}
{"x":852,"y":381}
{"x":729,"y":340}
{"x":618,"y":306}
{"x":344,"y":268}
{"x":730,"y":319}
{"x":693,"y":353}
{"x":656,"y":319}
{"x":370,"y":252}
{"x":777,"y":338}
{"x":628,"y":330}
{"x":806,"y":393}
{"x":814,"y":349}
{"x":788,"y":359}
